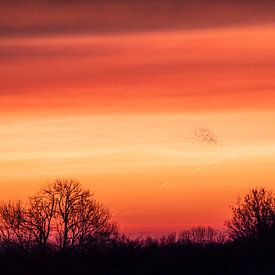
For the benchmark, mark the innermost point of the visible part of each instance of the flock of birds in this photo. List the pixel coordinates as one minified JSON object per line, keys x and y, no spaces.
{"x":204,"y":136}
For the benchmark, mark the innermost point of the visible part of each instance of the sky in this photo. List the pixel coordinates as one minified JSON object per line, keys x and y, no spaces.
{"x":164,"y":109}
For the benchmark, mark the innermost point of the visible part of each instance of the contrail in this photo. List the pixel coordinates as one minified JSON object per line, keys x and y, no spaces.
{"x":165,"y":184}
{"x":229,"y":156}
{"x":213,"y":162}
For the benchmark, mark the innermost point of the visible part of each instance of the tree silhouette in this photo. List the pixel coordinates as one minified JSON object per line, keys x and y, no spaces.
{"x":64,"y":217}
{"x":78,"y":217}
{"x":62,"y":214}
{"x":40,"y":216}
{"x":14,"y":231}
{"x":202,"y":235}
{"x":253,"y":216}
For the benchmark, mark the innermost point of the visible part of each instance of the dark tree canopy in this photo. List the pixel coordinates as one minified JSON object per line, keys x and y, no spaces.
{"x":62,"y":229}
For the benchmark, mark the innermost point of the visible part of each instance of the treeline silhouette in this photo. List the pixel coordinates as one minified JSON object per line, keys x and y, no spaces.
{"x":63,"y":229}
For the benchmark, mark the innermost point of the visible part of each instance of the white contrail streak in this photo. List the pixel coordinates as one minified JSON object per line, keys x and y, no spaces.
{"x":165,"y":184}
{"x":213,"y":162}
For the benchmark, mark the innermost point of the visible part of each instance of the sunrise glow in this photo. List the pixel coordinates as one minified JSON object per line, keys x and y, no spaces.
{"x":126,"y":110}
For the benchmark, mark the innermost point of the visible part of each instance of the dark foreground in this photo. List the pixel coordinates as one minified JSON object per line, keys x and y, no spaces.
{"x":134,"y":257}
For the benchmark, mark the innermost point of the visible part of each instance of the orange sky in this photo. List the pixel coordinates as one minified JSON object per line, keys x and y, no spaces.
{"x":117,"y":108}
{"x":179,"y":71}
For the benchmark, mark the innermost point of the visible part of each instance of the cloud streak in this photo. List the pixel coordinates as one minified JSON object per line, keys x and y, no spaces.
{"x":30,"y":17}
{"x":145,"y":72}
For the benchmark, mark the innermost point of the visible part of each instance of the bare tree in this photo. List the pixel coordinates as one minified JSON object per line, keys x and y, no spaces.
{"x":78,"y":218}
{"x":253,"y":216}
{"x":40,"y":215}
{"x":92,"y":222}
{"x":13,"y":229}
{"x":61,"y":213}
{"x":202,"y":235}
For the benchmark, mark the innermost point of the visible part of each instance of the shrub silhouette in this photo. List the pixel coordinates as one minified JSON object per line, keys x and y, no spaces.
{"x":202,"y":235}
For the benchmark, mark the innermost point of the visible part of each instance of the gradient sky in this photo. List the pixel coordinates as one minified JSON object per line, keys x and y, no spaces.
{"x":113,"y":93}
